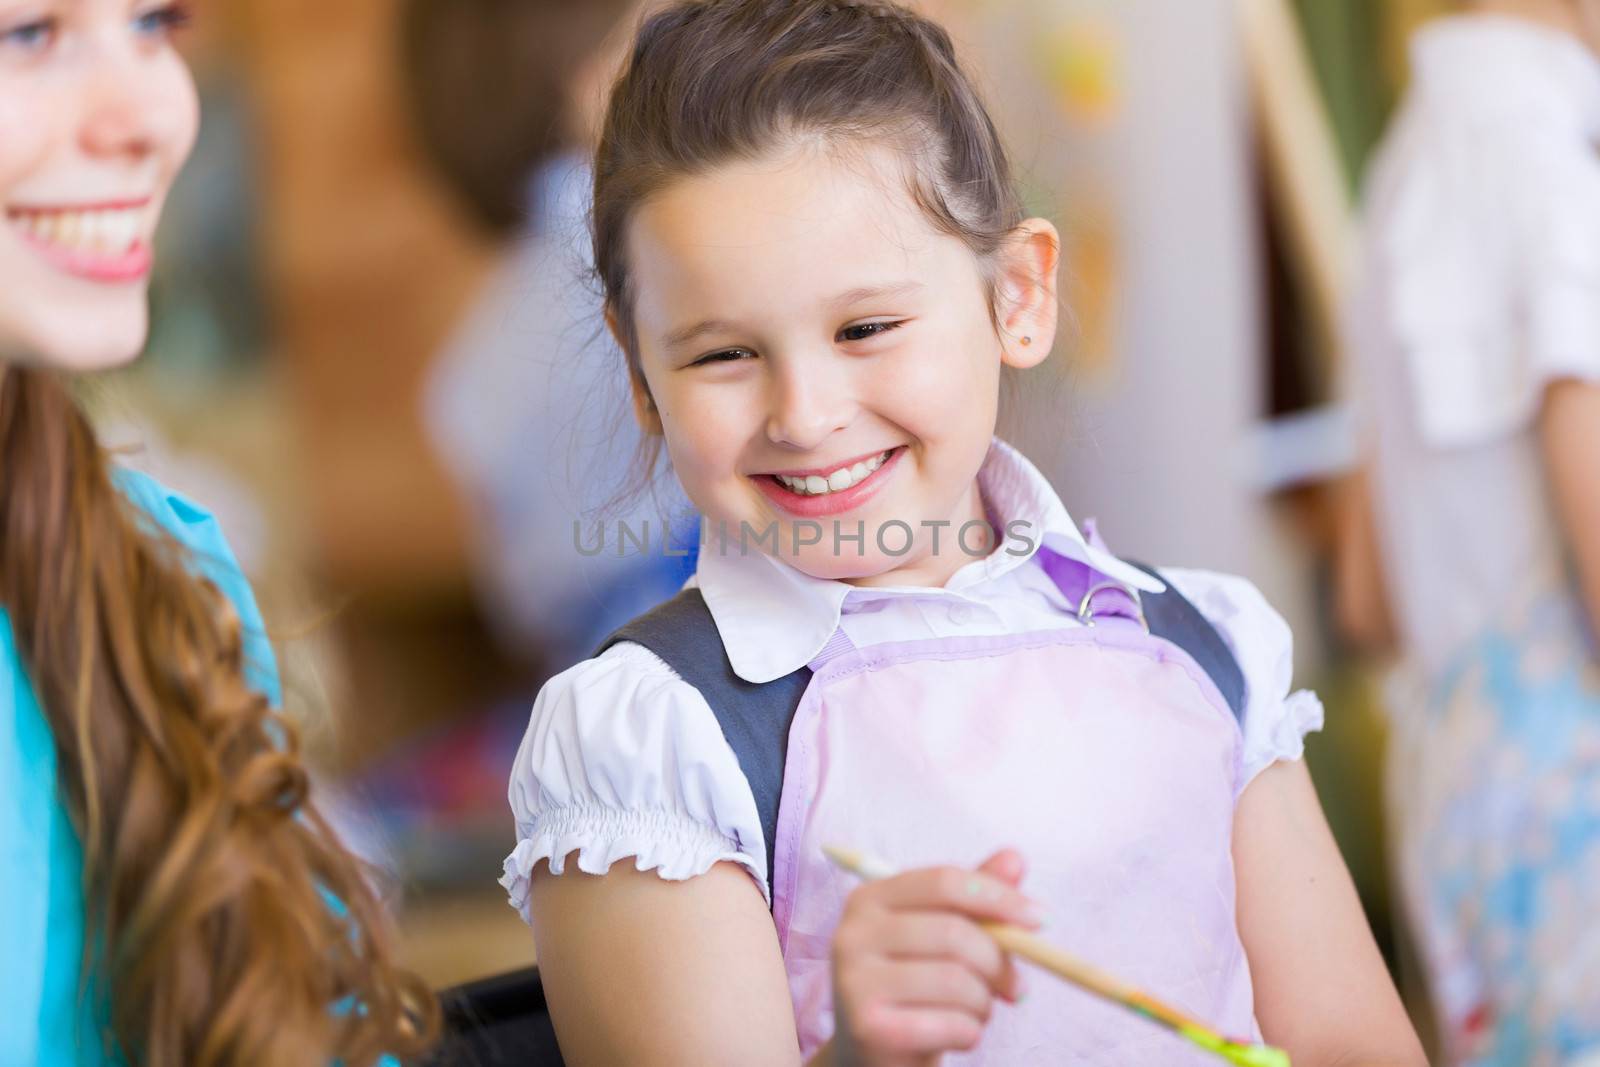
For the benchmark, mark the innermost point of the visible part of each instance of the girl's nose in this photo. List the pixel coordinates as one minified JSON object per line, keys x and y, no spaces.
{"x":809,"y":403}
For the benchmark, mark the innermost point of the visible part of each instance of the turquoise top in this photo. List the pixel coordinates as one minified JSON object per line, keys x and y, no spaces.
{"x":45,"y":1020}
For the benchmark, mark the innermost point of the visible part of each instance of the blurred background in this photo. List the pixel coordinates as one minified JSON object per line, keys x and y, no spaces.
{"x":377,"y":359}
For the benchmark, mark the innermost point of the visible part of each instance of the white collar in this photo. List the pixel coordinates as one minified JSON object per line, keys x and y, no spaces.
{"x":774,"y":619}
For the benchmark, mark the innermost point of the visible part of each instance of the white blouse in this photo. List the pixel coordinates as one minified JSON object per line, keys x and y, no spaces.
{"x":622,"y":758}
{"x":1479,"y":286}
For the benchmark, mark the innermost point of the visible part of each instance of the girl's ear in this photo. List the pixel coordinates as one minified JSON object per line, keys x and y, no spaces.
{"x":1025,"y":292}
{"x":644,"y":406}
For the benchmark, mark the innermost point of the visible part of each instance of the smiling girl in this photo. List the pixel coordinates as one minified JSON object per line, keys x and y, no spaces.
{"x":817,"y":268}
{"x":170,"y":896}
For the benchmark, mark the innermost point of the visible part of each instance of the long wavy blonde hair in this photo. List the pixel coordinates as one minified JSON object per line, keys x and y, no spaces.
{"x":226,"y":924}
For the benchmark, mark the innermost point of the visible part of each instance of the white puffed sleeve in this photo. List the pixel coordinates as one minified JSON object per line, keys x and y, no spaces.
{"x":1492,"y":252}
{"x":1276,"y":720}
{"x":624,"y":758}
{"x":1561,"y":259}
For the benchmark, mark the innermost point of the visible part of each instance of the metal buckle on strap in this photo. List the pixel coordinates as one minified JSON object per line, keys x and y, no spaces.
{"x":1086,"y":605}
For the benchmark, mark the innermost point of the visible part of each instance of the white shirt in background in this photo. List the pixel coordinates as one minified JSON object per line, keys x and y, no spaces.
{"x":528,"y":405}
{"x":1480,"y":285}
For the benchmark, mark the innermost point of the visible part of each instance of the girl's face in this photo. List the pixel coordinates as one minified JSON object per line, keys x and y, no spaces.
{"x":822,"y":360}
{"x":97,"y":114}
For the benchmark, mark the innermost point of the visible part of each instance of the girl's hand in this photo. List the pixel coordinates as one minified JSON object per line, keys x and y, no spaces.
{"x":914,"y":976}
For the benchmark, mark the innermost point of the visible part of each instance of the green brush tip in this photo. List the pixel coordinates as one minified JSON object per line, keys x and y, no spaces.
{"x":1258,"y":1056}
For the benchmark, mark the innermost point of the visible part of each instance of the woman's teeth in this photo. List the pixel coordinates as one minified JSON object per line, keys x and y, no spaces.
{"x":837,"y":482}
{"x":109,"y":232}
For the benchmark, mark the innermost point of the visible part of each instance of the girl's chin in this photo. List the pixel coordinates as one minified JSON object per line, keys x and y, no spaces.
{"x":847,"y":568}
{"x":870,"y":567}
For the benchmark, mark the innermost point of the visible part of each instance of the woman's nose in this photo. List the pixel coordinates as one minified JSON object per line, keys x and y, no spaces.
{"x":131,"y":110}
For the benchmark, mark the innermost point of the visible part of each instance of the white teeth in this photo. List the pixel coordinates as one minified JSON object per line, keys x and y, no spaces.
{"x":125,"y":228}
{"x":105,"y":232}
{"x":838,"y":481}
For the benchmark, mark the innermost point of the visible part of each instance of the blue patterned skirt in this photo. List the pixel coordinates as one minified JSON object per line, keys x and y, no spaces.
{"x":1495,"y":792}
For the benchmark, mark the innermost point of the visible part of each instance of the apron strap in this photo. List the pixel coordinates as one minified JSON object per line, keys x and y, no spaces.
{"x":1096,"y":597}
{"x":837,"y":646}
{"x":1173,"y":618}
{"x":1168,"y":615}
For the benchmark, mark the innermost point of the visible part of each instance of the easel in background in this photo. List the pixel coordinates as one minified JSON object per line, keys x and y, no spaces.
{"x":1306,"y":171}
{"x":1308,"y":188}
{"x":1307,"y":180}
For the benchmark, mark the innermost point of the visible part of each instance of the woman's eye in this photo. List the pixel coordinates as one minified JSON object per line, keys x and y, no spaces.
{"x":727,"y":355}
{"x":863,"y":330}
{"x":163,"y":21}
{"x":31,"y":37}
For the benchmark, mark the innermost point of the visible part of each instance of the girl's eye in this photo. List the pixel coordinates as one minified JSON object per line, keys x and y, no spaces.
{"x":163,"y":21}
{"x":30,"y":37}
{"x":863,"y":330}
{"x":727,"y":355}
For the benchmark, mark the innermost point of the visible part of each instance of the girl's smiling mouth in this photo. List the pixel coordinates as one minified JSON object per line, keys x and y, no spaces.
{"x":830,"y":490}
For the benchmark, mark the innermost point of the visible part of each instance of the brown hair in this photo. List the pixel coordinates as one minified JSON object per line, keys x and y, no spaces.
{"x":489,"y":84}
{"x":208,"y":872}
{"x":711,"y":81}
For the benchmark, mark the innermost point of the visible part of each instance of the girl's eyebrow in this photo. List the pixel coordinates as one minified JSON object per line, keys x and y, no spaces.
{"x":679,"y":338}
{"x":872,"y":292}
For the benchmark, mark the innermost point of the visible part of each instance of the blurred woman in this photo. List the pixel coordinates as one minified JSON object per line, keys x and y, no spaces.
{"x":1477,"y":329}
{"x":171,"y":895}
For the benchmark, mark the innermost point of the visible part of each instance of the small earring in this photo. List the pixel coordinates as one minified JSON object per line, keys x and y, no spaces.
{"x":1026,"y":341}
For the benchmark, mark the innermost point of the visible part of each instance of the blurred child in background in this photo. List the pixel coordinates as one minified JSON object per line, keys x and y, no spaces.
{"x":508,"y":99}
{"x":1477,"y":329}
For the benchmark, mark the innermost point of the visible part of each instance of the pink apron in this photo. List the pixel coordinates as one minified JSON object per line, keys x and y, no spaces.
{"x":1106,"y":755}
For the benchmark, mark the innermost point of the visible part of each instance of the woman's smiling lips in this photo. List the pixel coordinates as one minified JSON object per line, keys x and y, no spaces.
{"x":819,"y":492}
{"x":102,"y":242}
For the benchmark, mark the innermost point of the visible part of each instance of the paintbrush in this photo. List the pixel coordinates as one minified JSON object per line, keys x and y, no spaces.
{"x":1019,"y":942}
